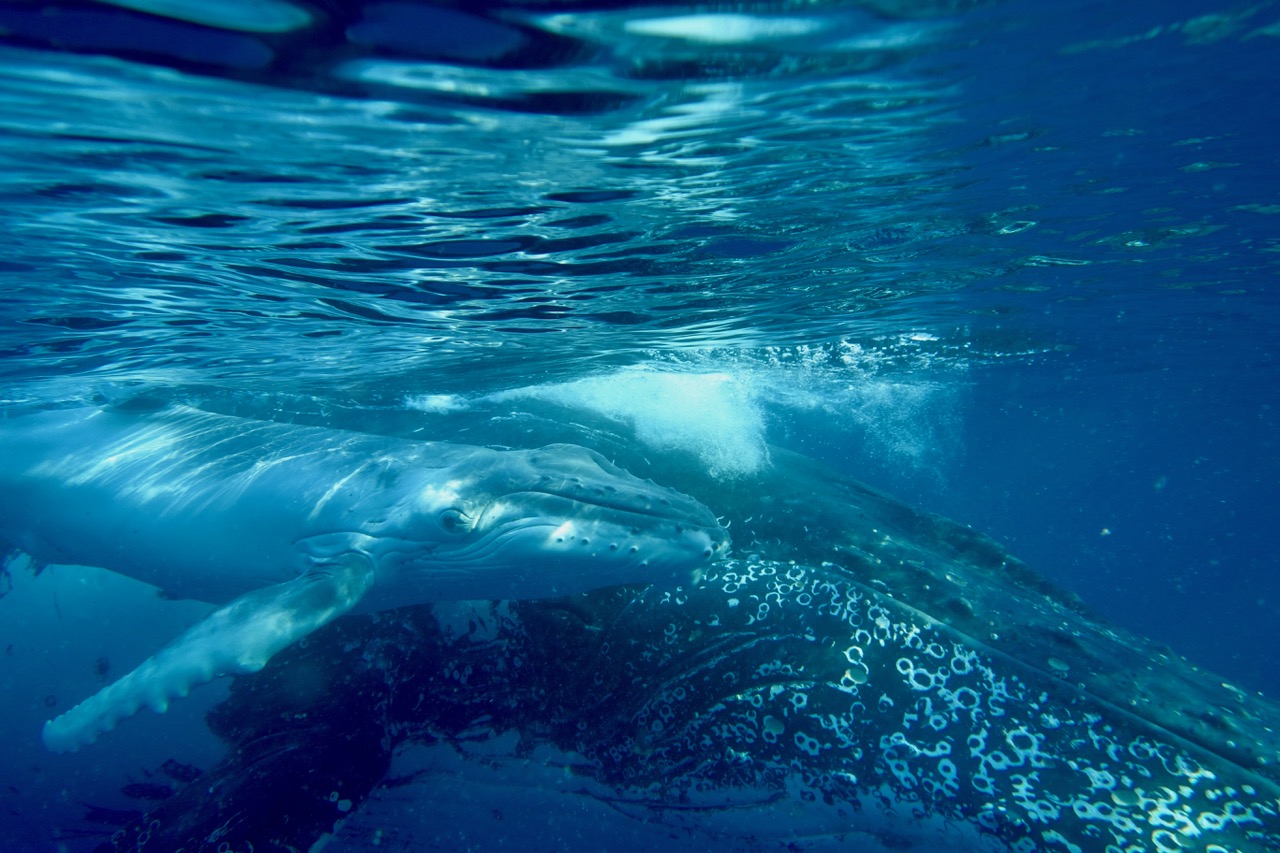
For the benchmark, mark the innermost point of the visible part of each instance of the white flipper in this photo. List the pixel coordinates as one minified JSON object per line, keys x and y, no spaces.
{"x":239,"y":637}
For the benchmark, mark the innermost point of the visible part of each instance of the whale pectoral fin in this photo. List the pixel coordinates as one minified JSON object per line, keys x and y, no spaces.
{"x":237,"y":638}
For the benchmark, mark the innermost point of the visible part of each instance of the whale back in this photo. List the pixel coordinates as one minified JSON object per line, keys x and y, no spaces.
{"x":210,"y":506}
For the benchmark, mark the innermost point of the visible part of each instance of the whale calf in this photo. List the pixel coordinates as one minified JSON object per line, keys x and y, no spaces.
{"x":288,"y":527}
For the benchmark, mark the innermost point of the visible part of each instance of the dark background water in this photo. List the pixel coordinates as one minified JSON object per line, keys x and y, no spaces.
{"x":1157,"y":424}
{"x":1134,"y":459}
{"x":1015,"y":263}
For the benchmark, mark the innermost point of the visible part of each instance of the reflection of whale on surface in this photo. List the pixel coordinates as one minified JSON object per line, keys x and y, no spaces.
{"x":929,"y":692}
{"x":293,"y":526}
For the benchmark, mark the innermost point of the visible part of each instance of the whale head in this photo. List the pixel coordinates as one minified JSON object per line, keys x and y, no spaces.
{"x":535,"y":524}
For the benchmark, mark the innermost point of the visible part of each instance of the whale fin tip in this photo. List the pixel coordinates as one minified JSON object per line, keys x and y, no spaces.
{"x":239,"y":637}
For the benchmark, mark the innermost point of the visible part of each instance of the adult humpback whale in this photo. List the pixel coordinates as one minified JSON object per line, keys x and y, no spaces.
{"x":902,"y":684}
{"x":292,"y":526}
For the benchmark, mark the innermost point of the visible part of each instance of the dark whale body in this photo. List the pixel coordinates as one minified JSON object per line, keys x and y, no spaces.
{"x":916,"y":689}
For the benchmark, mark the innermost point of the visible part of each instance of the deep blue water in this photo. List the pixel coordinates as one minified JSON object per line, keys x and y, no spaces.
{"x":1014,"y":263}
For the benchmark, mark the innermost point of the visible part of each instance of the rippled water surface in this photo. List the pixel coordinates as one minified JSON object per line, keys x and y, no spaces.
{"x":1015,"y":262}
{"x":622,"y":183}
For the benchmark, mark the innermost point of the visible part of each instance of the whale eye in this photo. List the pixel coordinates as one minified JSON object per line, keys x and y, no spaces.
{"x":454,"y":520}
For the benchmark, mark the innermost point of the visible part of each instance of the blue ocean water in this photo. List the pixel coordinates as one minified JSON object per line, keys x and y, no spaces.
{"x":1013,"y":263}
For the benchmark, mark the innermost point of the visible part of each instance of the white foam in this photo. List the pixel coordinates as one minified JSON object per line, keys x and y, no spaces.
{"x":714,"y":416}
{"x":893,"y":403}
{"x":437,"y":404}
{"x":906,"y":422}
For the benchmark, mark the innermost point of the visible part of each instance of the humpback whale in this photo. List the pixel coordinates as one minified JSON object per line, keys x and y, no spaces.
{"x":864,"y":676}
{"x":288,"y":527}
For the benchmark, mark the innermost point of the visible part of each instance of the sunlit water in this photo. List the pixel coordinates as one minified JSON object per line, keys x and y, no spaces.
{"x":1015,"y":263}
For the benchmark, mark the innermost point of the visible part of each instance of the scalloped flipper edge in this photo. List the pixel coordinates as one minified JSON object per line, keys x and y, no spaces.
{"x":237,"y":638}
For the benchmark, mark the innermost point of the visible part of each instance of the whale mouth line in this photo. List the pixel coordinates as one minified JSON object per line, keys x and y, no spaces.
{"x":630,"y":543}
{"x":663,"y":512}
{"x":486,"y":548}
